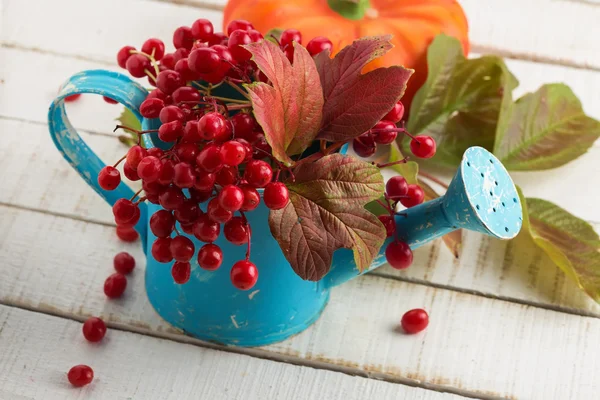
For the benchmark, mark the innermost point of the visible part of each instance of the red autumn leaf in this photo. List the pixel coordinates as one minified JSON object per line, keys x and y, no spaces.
{"x":354,"y":103}
{"x":327,"y":212}
{"x":290,"y":109}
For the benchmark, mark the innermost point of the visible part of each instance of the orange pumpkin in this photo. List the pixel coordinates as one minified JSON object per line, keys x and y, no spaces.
{"x":413,"y":23}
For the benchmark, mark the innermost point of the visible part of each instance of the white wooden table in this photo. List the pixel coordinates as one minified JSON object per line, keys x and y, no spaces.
{"x":499,"y":328}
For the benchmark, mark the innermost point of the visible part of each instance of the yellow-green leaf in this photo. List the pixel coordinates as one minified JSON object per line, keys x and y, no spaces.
{"x":571,"y":243}
{"x":544,"y":130}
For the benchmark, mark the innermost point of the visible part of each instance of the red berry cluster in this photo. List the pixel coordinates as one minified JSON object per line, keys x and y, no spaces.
{"x":219,"y":154}
{"x":386,"y":131}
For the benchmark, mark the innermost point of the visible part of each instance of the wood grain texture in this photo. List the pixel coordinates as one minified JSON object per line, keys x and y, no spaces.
{"x":133,"y":366}
{"x":536,"y":353}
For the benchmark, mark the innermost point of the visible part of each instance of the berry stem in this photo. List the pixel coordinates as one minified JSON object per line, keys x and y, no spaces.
{"x":225,"y":99}
{"x":433,"y":179}
{"x":232,"y":107}
{"x":201,"y":87}
{"x":150,"y":74}
{"x":384,"y":165}
{"x":386,"y":206}
{"x":119,"y":162}
{"x":398,"y":130}
{"x":249,"y":235}
{"x":136,"y":195}
{"x":238,"y":88}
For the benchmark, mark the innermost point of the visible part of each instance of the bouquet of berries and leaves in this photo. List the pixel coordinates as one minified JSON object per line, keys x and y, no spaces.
{"x":246,"y":119}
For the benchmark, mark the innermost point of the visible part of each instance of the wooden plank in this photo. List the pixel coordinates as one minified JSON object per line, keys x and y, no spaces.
{"x":37,"y":351}
{"x":57,"y":265}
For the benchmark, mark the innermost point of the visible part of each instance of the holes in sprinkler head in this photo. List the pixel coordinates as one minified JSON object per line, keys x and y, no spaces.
{"x":514,"y":199}
{"x":494,"y":209}
{"x":491,"y":194}
{"x":491,"y":161}
{"x":482,"y":174}
{"x":477,"y":206}
{"x":496,"y":182}
{"x":468,"y":164}
{"x":506,"y":228}
{"x":503,"y":205}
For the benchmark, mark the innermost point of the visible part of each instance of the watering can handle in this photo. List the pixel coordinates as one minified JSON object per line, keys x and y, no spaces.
{"x":74,"y":149}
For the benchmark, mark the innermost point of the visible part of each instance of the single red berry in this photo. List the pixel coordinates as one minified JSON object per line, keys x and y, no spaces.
{"x":226,"y":59}
{"x":184,"y":175}
{"x":205,"y":229}
{"x":188,"y":228}
{"x":238,"y":24}
{"x":115,"y":285}
{"x":187,"y":212}
{"x":212,"y":125}
{"x":94,"y":329}
{"x":187,"y":152}
{"x":137,"y":65}
{"x":154,"y":47}
{"x":218,"y":38}
{"x":161,"y":250}
{"x":80,"y":375}
{"x":154,"y":188}
{"x":243,"y":125}
{"x":202,"y":29}
{"x":231,"y":198}
{"x":183,"y":38}
{"x":205,"y":181}
{"x":396,"y":188}
{"x":384,"y":132}
{"x":171,"y":131}
{"x":399,"y":255}
{"x":210,"y":257}
{"x":130,"y":173}
{"x":247,"y":147}
{"x":289,"y":53}
{"x":167,"y":172}
{"x":183,"y":67}
{"x":396,"y":113}
{"x":125,"y":212}
{"x":415,"y":321}
{"x":124,"y":263}
{"x":109,"y":100}
{"x":170,"y":114}
{"x":236,"y":231}
{"x":414,"y":196}
{"x":227,"y":176}
{"x":186,"y":93}
{"x":150,"y":108}
{"x":181,"y":272}
{"x":210,"y":158}
{"x":162,"y":223}
{"x":72,"y":97}
{"x":127,"y":234}
{"x":423,"y":146}
{"x":251,"y":198}
{"x":258,"y":173}
{"x":190,"y":132}
{"x":204,"y":60}
{"x":237,"y":39}
{"x":318,"y":44}
{"x":109,"y":178}
{"x":134,"y":155}
{"x":217,"y":213}
{"x":290,"y":35}
{"x":233,"y":153}
{"x":168,"y":61}
{"x":364,"y":145}
{"x":149,"y":168}
{"x":244,"y":275}
{"x":180,"y":54}
{"x":157,"y":94}
{"x":276,"y":195}
{"x":182,"y":248}
{"x":168,"y":81}
{"x":171,"y":198}
{"x":255,"y":35}
{"x":388,"y":223}
{"x":123,"y":55}
{"x":200,"y":196}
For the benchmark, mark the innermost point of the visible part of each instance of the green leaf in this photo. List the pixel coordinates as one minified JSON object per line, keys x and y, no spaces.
{"x":460,"y":102}
{"x":543,"y":130}
{"x":128,"y":119}
{"x":354,"y":102}
{"x":290,"y":110}
{"x":350,"y":9}
{"x":571,"y":243}
{"x":327,"y":212}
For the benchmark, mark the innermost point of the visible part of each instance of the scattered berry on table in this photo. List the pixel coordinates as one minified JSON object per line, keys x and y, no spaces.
{"x":80,"y":375}
{"x":114,"y":285}
{"x":124,"y":263}
{"x":94,"y":329}
{"x":415,"y":321}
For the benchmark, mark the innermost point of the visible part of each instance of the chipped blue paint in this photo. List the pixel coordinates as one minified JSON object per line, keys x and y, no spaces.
{"x":281,"y":304}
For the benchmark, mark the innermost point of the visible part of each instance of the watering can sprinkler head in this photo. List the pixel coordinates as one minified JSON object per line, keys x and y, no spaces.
{"x":482,"y":197}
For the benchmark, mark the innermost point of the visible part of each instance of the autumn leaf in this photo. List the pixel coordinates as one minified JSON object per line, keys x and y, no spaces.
{"x":354,"y":103}
{"x":326,"y":212}
{"x":543,"y":130}
{"x":290,"y":109}
{"x":571,"y":243}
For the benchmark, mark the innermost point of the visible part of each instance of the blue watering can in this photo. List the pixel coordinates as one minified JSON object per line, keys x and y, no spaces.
{"x":482,"y":197}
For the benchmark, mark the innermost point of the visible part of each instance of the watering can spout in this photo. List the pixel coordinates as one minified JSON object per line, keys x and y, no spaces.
{"x":482,"y":197}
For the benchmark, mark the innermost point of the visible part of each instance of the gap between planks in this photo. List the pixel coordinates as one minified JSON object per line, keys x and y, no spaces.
{"x":378,"y":273}
{"x":256,"y":352}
